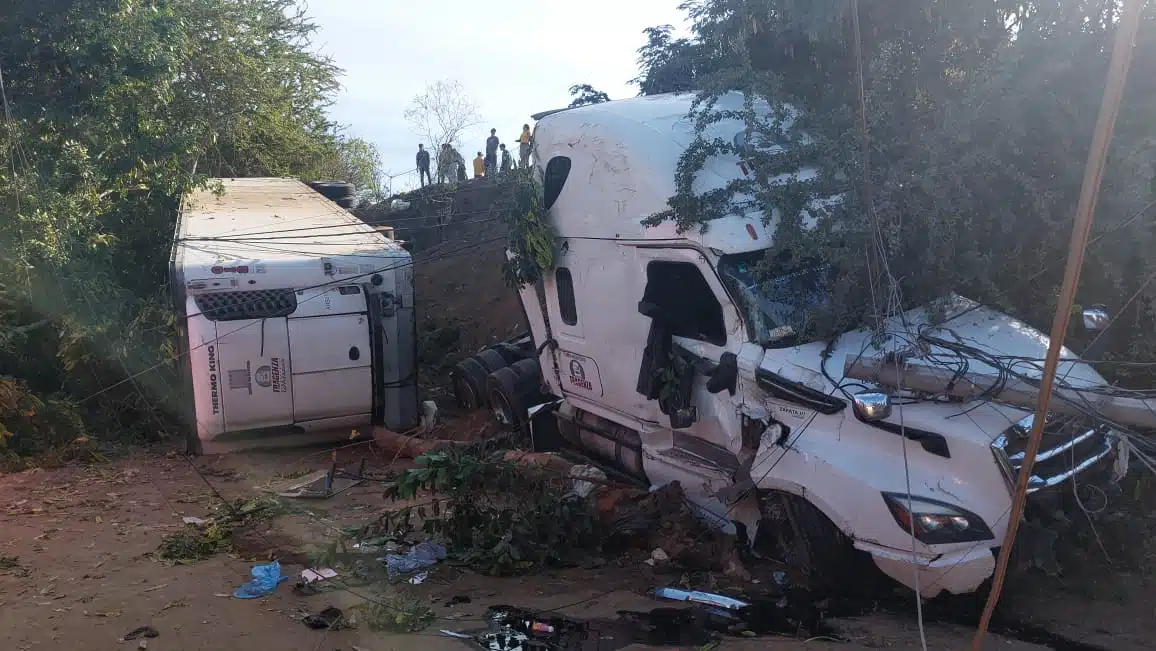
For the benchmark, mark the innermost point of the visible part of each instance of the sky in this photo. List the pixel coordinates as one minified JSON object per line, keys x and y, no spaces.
{"x":513,"y":57}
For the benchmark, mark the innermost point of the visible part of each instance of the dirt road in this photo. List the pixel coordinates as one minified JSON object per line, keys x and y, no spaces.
{"x":77,"y":569}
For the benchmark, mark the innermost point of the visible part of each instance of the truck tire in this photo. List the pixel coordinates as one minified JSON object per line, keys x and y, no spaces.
{"x":491,"y":359}
{"x":333,"y":190}
{"x":469,"y":382}
{"x":347,"y":202}
{"x":511,"y":392}
{"x":806,"y":538}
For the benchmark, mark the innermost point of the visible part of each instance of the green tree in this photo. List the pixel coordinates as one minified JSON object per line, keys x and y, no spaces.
{"x":112,"y":110}
{"x":584,"y":94}
{"x":980,"y":113}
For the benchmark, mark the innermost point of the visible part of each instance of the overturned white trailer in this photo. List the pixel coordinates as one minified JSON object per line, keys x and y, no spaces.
{"x":297,"y":319}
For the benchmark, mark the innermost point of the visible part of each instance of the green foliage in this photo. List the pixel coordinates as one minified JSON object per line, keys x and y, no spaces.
{"x":112,"y":110}
{"x":494,"y":515}
{"x":396,"y":614}
{"x":980,"y":115}
{"x":584,"y":94}
{"x":532,"y":238}
{"x":216,"y":535}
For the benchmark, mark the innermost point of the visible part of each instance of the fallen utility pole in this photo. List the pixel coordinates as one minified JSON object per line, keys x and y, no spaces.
{"x":924,"y":378}
{"x":1081,"y":228}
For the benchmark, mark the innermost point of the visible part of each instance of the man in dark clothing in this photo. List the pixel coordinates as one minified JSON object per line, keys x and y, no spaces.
{"x":507,"y":160}
{"x":491,"y":159}
{"x":423,"y":166}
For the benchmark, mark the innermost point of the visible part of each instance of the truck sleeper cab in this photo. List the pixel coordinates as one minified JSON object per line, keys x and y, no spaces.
{"x":765,"y":433}
{"x":297,"y":318}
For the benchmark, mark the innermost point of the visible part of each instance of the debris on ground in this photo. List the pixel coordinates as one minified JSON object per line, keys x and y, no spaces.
{"x":330,"y":618}
{"x":320,"y":574}
{"x":423,"y":554}
{"x":266,"y":578}
{"x":205,"y":537}
{"x":140,"y":632}
{"x":323,"y":484}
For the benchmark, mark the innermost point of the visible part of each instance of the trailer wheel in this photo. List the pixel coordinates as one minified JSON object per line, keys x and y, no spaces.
{"x":469,"y":381}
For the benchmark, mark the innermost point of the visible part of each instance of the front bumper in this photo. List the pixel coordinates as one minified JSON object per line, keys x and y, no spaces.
{"x":960,"y":572}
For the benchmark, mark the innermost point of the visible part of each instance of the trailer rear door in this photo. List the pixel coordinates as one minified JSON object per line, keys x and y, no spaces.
{"x":332,"y":360}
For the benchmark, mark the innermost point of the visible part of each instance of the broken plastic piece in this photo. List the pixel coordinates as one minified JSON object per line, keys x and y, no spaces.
{"x":711,"y":599}
{"x":310,"y":575}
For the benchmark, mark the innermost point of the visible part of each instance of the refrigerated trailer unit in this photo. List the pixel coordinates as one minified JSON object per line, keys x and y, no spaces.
{"x":296,"y":318}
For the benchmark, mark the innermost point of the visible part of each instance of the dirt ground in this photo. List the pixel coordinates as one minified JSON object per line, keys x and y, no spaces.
{"x":80,"y":571}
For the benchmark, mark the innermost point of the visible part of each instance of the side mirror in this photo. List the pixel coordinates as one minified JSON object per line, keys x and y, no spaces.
{"x":725,"y":375}
{"x":1096,"y":318}
{"x":871,"y":406}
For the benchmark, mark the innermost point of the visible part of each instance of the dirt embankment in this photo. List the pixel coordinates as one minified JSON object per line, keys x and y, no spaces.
{"x":458,"y":244}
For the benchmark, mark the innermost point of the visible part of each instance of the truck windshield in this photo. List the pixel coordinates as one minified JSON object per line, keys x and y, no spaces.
{"x":778,"y":300}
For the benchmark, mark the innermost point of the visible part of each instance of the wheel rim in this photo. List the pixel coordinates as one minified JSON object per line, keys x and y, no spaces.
{"x":503,"y":413}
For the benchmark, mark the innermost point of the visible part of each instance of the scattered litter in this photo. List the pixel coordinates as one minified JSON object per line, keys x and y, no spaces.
{"x":310,"y":575}
{"x":423,"y":554}
{"x":188,"y":519}
{"x":584,"y":488}
{"x":708,"y":598}
{"x":139,"y":632}
{"x":330,"y":618}
{"x":429,"y":414}
{"x":266,"y":578}
{"x":323,"y":484}
{"x":458,"y":599}
{"x":460,"y":636}
{"x":781,"y":580}
{"x":157,"y":587}
{"x":419,"y":578}
{"x":143,"y":644}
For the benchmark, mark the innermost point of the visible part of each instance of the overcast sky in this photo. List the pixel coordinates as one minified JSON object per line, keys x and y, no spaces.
{"x":514,"y":58}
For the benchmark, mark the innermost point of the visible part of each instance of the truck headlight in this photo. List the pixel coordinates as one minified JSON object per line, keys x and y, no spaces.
{"x":935,"y":522}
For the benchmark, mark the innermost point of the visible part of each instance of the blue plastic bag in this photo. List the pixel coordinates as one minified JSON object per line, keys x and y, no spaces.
{"x":266,"y":578}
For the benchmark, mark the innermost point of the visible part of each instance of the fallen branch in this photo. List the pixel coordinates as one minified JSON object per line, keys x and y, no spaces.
{"x":1014,"y":391}
{"x":408,"y":445}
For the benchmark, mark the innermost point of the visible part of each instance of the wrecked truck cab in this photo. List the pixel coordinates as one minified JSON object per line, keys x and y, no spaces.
{"x":666,"y":361}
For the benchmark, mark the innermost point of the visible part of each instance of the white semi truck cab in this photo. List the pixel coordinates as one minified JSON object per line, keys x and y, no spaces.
{"x":297,"y":319}
{"x":761,"y":429}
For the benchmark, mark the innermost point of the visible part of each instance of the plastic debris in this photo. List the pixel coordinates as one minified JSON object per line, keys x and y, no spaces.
{"x":419,"y":578}
{"x":584,"y":488}
{"x":781,"y":580}
{"x":266,"y":578}
{"x":330,"y":618}
{"x":188,"y":519}
{"x":311,"y":575}
{"x":140,"y":632}
{"x":429,"y":414}
{"x":423,"y":554}
{"x":708,"y":598}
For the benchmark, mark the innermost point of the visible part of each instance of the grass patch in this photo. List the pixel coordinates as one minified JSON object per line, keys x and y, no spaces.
{"x":396,"y":615}
{"x":200,"y":541}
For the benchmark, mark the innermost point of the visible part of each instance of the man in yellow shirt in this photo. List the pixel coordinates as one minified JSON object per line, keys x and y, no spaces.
{"x":524,"y":147}
{"x":479,"y":166}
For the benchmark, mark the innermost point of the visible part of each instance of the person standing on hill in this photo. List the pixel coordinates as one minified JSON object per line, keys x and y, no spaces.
{"x":423,"y":166}
{"x":479,"y":166}
{"x":507,"y":160}
{"x":524,"y":147}
{"x":492,"y":153}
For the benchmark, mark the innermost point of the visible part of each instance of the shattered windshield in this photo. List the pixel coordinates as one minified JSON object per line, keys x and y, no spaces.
{"x":778,"y":300}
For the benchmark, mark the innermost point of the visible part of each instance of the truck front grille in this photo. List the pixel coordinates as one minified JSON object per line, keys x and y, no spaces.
{"x":1069,"y":447}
